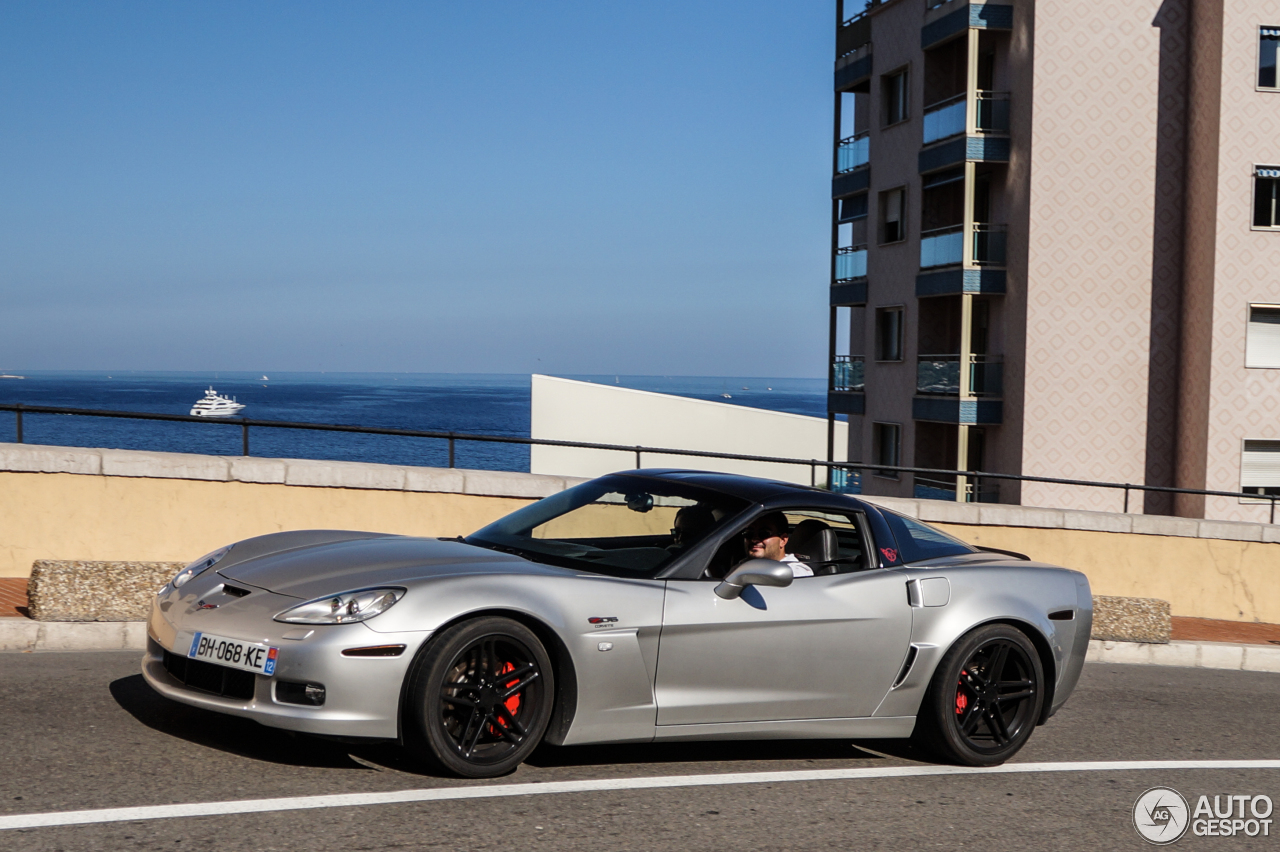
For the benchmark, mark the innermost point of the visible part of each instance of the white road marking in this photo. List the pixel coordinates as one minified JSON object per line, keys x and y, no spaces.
{"x":442,"y":794}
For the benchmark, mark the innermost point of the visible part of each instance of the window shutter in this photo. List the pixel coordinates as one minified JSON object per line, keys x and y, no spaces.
{"x":1260,"y":465}
{"x":1262,"y":341}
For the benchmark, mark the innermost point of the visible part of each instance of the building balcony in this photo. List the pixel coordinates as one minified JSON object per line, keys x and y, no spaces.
{"x":851,"y":263}
{"x":854,"y":153}
{"x":940,"y":375}
{"x":945,"y":118}
{"x":847,"y":373}
{"x":944,"y":20}
{"x":991,"y":112}
{"x":942,"y":247}
{"x":945,"y":246}
{"x":989,"y":243}
{"x":854,"y":33}
{"x":948,"y":118}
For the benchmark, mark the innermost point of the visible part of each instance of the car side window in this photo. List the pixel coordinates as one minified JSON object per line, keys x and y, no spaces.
{"x":826,"y":542}
{"x":840,"y":553}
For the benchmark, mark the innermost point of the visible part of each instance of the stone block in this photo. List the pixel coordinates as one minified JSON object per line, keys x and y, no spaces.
{"x":331,"y":474}
{"x":81,"y":636}
{"x":18,"y":634}
{"x":1097,"y":521}
{"x":1230,"y":530}
{"x":164,"y":465}
{"x":1094,"y":654}
{"x":1271,"y":533}
{"x":1214,"y":655}
{"x":96,"y":591}
{"x":1175,"y":654}
{"x":35,"y":458}
{"x":250,"y":469}
{"x":439,"y":479}
{"x":1131,"y":619}
{"x":495,"y":483}
{"x":1261,"y":658}
{"x":1019,"y":516}
{"x":1165,"y":525}
{"x":948,"y":512}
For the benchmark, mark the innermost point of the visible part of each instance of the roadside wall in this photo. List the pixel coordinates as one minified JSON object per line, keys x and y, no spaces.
{"x":115,"y":505}
{"x":119,"y":505}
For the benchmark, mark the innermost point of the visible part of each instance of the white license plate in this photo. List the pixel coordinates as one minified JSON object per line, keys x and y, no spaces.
{"x":250,"y":656}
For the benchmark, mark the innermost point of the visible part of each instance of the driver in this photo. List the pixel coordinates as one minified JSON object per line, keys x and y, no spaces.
{"x":766,"y":538}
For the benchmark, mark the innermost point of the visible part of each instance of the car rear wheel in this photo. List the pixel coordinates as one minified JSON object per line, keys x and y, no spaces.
{"x":481,"y":698}
{"x":984,"y":700}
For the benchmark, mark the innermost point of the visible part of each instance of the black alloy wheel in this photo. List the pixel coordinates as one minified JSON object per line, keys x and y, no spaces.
{"x":985,"y":698}
{"x":481,"y":698}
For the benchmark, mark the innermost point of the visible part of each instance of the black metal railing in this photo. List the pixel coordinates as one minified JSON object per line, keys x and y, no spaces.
{"x":976,"y":476}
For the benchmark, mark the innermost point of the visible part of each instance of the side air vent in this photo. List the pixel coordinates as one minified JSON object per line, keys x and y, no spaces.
{"x":1063,"y":615}
{"x":906,"y":666}
{"x":234,"y":591}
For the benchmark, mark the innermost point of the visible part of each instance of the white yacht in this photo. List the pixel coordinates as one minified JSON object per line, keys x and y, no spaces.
{"x":214,"y":405}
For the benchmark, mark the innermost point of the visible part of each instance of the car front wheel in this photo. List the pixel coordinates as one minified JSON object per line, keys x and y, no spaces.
{"x":984,"y":700}
{"x":481,"y":698}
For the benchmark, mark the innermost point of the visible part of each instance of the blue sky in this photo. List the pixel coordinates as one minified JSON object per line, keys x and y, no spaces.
{"x":573,"y":187}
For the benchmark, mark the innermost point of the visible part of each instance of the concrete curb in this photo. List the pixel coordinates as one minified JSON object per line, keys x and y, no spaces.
{"x":1201,"y":655}
{"x":21,"y":634}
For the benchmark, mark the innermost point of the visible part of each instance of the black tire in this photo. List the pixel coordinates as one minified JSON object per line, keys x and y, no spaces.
{"x":984,"y":699}
{"x":480,"y":698}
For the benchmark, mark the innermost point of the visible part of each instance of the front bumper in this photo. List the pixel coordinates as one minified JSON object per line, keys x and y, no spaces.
{"x":362,"y":694}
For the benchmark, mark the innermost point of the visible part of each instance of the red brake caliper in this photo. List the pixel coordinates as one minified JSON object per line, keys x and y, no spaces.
{"x":513,"y":703}
{"x":962,"y":700}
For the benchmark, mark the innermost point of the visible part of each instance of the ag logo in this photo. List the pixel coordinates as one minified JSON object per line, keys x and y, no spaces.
{"x":1161,"y":815}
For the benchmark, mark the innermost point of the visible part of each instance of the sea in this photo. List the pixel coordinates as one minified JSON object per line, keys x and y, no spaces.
{"x":473,"y":403}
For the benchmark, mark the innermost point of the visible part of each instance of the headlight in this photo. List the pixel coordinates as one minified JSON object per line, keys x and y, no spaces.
{"x":344,"y":608}
{"x":198,"y":567}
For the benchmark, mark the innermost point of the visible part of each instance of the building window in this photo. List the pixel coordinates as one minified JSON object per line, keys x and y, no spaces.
{"x":893,"y":205}
{"x":1266,"y":188}
{"x":1260,"y":468}
{"x":893,"y":88}
{"x":886,"y":440}
{"x":1262,"y":340}
{"x":1268,"y":39}
{"x":889,"y":334}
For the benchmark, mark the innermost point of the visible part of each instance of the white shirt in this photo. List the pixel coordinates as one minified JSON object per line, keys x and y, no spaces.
{"x":798,"y":568}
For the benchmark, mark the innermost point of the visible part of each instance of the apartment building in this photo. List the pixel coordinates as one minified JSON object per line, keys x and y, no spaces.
{"x":1056,"y":248}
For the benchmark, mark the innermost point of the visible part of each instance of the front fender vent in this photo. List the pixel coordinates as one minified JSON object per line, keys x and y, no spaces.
{"x":912,"y":653}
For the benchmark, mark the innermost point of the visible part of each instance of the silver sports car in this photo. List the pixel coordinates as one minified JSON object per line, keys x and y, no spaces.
{"x":650,"y":605}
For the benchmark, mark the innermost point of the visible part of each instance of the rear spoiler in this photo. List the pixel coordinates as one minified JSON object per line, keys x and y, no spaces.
{"x":1015,"y":554}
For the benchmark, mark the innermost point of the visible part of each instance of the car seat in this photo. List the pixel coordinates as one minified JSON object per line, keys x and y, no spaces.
{"x":815,"y":544}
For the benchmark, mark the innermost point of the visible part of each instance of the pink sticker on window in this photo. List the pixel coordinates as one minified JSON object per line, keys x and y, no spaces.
{"x":890,"y":555}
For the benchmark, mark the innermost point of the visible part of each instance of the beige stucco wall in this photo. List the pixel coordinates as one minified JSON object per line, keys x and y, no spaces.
{"x":1204,"y":578}
{"x":1090,"y":252}
{"x":108,"y":518}
{"x":1243,"y":403}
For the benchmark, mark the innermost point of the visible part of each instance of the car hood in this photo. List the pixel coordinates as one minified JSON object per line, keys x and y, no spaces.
{"x":337,"y":566}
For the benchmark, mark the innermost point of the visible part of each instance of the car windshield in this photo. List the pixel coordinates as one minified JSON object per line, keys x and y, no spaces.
{"x":627,"y":526}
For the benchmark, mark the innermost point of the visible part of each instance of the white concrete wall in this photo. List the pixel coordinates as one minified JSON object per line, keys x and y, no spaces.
{"x":566,"y":410}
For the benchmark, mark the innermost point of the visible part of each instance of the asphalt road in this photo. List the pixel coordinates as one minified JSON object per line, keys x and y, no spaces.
{"x":83,"y":731}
